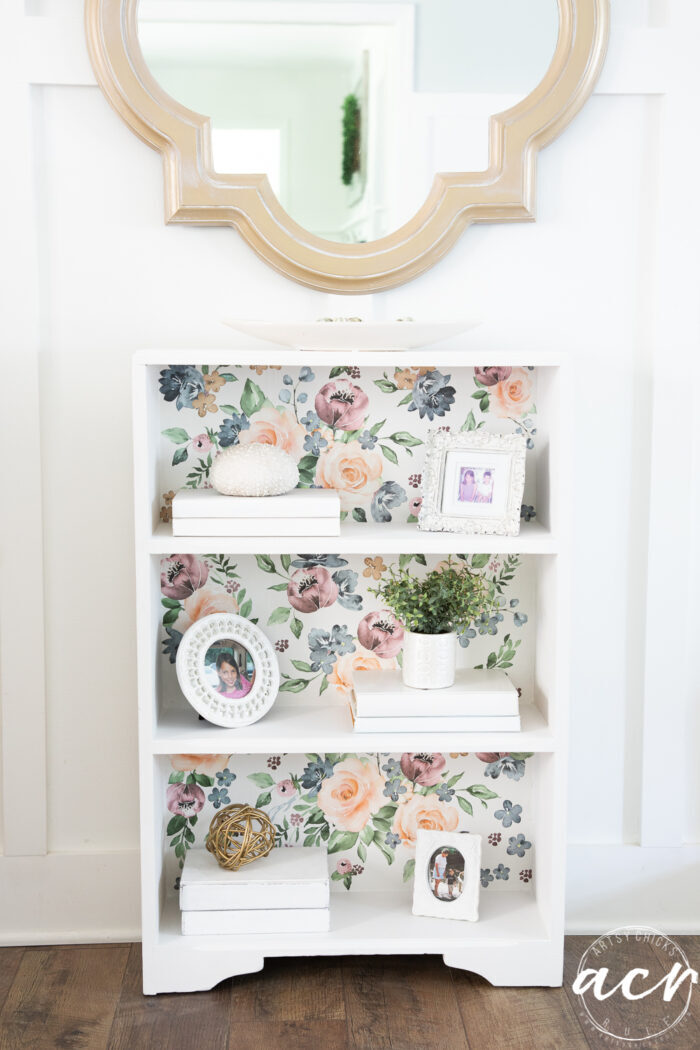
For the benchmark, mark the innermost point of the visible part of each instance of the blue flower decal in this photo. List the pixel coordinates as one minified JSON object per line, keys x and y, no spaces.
{"x":181,"y":384}
{"x":367,"y":440}
{"x":514,"y":768}
{"x":501,"y":872}
{"x":326,"y":646}
{"x":527,"y":513}
{"x":445,"y":793}
{"x":225,"y":778}
{"x":431,"y":395}
{"x":313,"y":443}
{"x":171,"y":644}
{"x":519,"y":619}
{"x":329,"y":561}
{"x":390,"y":494}
{"x":315,"y":773}
{"x":486,"y":877}
{"x":231,"y":428}
{"x":306,"y":375}
{"x":311,"y":421}
{"x":510,"y":814}
{"x":392,"y":840}
{"x":393,"y":789}
{"x":517,"y":845}
{"x":219,"y":797}
{"x":346,"y":582}
{"x":392,"y":768}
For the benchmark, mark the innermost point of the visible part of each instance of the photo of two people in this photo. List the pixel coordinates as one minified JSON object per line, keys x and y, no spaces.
{"x":446,"y":873}
{"x":476,"y":485}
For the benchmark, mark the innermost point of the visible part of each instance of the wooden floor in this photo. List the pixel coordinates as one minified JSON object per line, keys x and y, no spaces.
{"x":69,"y":998}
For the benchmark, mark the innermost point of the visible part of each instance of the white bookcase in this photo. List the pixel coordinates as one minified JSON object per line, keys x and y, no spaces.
{"x":519,"y":937}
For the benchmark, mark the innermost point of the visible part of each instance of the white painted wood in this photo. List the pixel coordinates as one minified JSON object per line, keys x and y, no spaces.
{"x":366,"y":923}
{"x":22,"y":670}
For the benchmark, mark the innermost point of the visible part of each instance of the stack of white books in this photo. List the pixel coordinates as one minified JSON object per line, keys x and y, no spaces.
{"x":288,"y":891}
{"x":479,"y":701}
{"x":301,"y":512}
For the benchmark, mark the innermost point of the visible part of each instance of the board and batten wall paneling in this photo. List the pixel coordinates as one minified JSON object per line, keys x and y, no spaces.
{"x":95,"y":274}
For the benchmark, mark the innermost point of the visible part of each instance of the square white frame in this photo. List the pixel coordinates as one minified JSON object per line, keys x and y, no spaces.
{"x":440,"y":444}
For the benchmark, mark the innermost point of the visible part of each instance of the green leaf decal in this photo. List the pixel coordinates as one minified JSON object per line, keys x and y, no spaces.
{"x":342,"y":840}
{"x":301,"y":665}
{"x":386,"y":386}
{"x":480,"y":560}
{"x":252,"y":398}
{"x":376,"y":428}
{"x":176,"y":778}
{"x":286,"y":560}
{"x":203,"y":780}
{"x":279,"y":615}
{"x":179,"y":456}
{"x":469,"y":423}
{"x":359,"y":514}
{"x":176,"y":823}
{"x":406,"y":440}
{"x":261,"y":780}
{"x":176,"y":434}
{"x":246,"y":609}
{"x":389,"y":453}
{"x":265,"y":563}
{"x":466,"y":806}
{"x":481,"y":791}
{"x":293,"y":685}
{"x":408,"y":870}
{"x":263,"y":800}
{"x":296,"y":627}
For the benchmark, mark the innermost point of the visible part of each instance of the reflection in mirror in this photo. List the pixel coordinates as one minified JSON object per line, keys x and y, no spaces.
{"x":322,"y":97}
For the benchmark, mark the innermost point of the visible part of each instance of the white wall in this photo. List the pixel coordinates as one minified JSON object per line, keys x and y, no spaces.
{"x":608,"y":274}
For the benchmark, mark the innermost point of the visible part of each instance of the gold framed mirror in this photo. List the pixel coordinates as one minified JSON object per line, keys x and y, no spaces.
{"x":200,"y":190}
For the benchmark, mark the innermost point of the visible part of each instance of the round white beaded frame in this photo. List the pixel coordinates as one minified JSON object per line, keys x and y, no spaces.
{"x":189,"y":664}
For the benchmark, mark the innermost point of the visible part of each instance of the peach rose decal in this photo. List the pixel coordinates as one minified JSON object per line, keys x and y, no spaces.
{"x":352,"y":794}
{"x":423,"y":812}
{"x":205,"y":602}
{"x":342,"y":405}
{"x":350,"y":469}
{"x":512,"y":396}
{"x":276,"y":426}
{"x":342,"y":675}
{"x":208,"y":764}
{"x":311,"y":589}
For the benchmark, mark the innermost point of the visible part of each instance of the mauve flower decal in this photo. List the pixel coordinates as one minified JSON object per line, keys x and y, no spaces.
{"x":431,"y":395}
{"x":185,"y":799}
{"x":381,"y":633}
{"x":181,"y":384}
{"x":341,"y":404}
{"x":423,"y":768}
{"x":311,"y":589}
{"x":489,"y":375}
{"x":181,"y":575}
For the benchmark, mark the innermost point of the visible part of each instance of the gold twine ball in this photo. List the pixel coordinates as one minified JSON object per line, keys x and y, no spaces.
{"x":240,"y":834}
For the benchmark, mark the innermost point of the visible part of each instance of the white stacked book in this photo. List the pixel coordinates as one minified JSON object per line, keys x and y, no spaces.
{"x":301,"y":512}
{"x":479,"y":701}
{"x":288,"y":891}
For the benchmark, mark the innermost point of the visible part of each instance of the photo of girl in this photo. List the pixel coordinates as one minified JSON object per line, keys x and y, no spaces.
{"x":229,"y":669}
{"x":475,"y":486}
{"x":446,"y":873}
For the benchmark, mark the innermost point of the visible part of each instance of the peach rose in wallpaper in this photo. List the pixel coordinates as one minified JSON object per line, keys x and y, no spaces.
{"x":342,"y":675}
{"x":423,"y":812}
{"x":355,"y":472}
{"x":276,"y":426}
{"x":202,"y":763}
{"x":352,"y":794}
{"x":205,"y":602}
{"x":512,"y":396}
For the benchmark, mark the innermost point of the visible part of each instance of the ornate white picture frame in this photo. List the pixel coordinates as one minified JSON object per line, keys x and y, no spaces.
{"x":227,"y":669}
{"x":473,"y":483}
{"x":447,"y":873}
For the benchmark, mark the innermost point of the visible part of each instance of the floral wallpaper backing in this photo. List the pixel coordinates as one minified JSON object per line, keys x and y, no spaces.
{"x":367,"y":809}
{"x":359,"y":431}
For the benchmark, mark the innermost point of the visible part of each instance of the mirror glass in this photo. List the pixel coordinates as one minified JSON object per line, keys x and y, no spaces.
{"x":349,"y":109}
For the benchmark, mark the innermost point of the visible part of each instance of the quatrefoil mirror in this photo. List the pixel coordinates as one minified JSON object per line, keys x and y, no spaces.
{"x":350,"y":144}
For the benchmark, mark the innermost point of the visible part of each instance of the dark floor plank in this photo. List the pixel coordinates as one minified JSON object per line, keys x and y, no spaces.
{"x":616,"y":1011}
{"x":516,"y":1018}
{"x":63,"y":998}
{"x":289,"y":1035}
{"x":168,"y":1022}
{"x":290,"y":990}
{"x":10,"y":958}
{"x":401,"y":1003}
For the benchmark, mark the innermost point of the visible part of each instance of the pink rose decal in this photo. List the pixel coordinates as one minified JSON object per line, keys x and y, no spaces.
{"x":414,"y":505}
{"x":422,"y":768}
{"x":311,"y":589}
{"x":185,"y":799}
{"x":202,"y":443}
{"x":381,"y":633}
{"x":344,"y":866}
{"x":181,"y":575}
{"x":341,"y":404}
{"x":285,"y":788}
{"x":490,"y":374}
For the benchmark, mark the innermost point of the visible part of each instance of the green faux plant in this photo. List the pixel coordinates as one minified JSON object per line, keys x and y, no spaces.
{"x":351,"y":138}
{"x":446,"y":599}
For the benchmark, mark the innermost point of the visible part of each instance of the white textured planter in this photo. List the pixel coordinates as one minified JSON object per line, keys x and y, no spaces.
{"x":429,"y":660}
